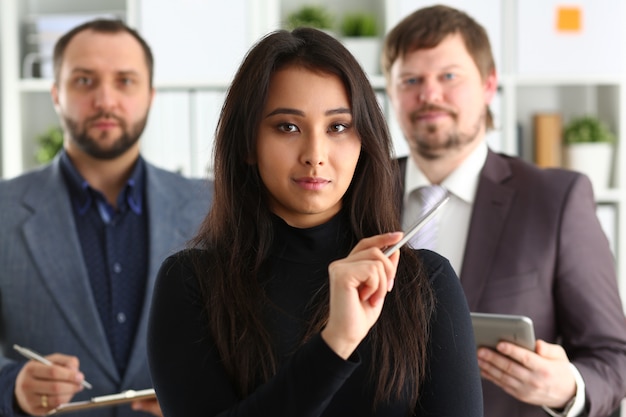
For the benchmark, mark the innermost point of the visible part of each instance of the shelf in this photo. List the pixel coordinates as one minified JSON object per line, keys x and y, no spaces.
{"x":610,"y":196}
{"x":35,"y":85}
{"x":565,"y":80}
{"x":39,"y":85}
{"x":193,"y":85}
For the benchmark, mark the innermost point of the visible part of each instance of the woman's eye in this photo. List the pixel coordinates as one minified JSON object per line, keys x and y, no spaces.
{"x":449,"y":76}
{"x":338,"y":127}
{"x":287,"y":127}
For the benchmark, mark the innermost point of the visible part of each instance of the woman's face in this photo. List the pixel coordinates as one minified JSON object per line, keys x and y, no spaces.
{"x":307,"y":147}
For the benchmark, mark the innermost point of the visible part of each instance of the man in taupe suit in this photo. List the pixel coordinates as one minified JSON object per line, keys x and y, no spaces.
{"x":82,"y":239}
{"x":522,"y":240}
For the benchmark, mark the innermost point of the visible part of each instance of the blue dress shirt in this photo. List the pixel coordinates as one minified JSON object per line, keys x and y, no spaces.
{"x":114,"y":242}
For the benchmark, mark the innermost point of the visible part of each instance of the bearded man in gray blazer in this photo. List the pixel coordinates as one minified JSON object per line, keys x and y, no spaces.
{"x":81,"y":240}
{"x":522,"y":240}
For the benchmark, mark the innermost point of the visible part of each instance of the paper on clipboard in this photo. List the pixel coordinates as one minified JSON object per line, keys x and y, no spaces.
{"x":104,"y":401}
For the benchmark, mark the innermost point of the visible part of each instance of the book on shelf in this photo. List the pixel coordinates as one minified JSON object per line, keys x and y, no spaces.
{"x":548,"y":129}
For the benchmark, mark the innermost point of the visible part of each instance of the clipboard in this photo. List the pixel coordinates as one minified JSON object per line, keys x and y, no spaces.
{"x":104,"y":401}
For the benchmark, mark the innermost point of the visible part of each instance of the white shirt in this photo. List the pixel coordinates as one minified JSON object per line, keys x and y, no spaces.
{"x":454,"y":217}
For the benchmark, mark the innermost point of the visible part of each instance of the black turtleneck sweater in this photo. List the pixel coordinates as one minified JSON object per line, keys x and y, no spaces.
{"x":311,"y":380}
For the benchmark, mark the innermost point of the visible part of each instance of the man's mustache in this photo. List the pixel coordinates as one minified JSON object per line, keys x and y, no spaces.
{"x":426,"y":108}
{"x":105,"y":115}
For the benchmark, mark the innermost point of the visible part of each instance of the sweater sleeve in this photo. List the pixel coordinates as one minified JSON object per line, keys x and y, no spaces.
{"x":452,"y":386}
{"x":188,"y":376}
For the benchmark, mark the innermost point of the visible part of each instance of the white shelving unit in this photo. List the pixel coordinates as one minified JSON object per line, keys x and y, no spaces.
{"x":180,"y":126}
{"x":183,"y":118}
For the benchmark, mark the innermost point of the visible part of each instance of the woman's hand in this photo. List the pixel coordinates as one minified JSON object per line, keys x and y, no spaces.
{"x":358,"y":285}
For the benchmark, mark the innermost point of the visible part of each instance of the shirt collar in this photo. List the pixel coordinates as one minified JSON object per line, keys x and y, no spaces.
{"x":82,"y":194}
{"x":462,"y":182}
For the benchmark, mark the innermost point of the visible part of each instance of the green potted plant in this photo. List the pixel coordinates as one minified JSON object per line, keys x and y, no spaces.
{"x":310,"y":16}
{"x":589,"y":149}
{"x":49,"y":144}
{"x":359,"y":33}
{"x":359,"y":25}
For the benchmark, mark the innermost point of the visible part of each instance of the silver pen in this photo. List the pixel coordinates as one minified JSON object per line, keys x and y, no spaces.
{"x":30,"y":354}
{"x":417,"y":225}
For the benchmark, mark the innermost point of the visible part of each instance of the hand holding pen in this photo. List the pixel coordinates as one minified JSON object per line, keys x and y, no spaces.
{"x":39,"y":389}
{"x":30,"y":354}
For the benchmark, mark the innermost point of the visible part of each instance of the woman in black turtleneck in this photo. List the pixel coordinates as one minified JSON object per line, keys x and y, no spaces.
{"x":286,"y":305}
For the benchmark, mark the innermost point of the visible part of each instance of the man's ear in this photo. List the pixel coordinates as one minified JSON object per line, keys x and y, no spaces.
{"x":54,"y":92}
{"x":491,"y":86}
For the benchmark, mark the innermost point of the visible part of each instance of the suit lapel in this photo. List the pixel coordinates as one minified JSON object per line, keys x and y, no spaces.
{"x":491,"y":207}
{"x":51,"y":236}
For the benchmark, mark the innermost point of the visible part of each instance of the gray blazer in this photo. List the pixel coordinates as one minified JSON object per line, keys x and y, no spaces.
{"x":535,"y":247}
{"x":46,"y":301}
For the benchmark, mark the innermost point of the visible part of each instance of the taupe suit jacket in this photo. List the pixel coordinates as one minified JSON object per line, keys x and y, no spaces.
{"x":535,"y":247}
{"x":46,"y":302}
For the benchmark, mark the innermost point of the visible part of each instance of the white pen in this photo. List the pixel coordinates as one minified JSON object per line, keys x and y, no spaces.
{"x":30,"y":354}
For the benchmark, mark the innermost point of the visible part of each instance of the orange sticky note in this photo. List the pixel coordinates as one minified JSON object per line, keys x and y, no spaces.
{"x":568,"y":19}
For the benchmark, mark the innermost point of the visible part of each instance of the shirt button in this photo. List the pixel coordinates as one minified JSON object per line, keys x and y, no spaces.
{"x":117,"y":268}
{"x":121,"y":318}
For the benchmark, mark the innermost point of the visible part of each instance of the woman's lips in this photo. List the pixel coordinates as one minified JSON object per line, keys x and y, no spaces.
{"x":311,"y":183}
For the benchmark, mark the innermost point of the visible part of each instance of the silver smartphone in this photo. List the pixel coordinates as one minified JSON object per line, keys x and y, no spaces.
{"x":489,"y":329}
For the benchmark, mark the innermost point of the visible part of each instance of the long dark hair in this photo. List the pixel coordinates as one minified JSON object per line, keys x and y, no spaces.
{"x":237,"y":232}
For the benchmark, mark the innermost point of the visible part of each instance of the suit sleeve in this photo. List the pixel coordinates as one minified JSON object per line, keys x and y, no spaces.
{"x":452,"y":386}
{"x":8,"y":375}
{"x":589,"y":309}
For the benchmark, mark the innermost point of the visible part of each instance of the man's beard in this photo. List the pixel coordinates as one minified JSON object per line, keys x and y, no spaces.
{"x":89,"y":144}
{"x":429,"y":149}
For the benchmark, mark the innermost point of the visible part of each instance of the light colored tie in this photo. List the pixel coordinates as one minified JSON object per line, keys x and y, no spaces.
{"x":428,"y":196}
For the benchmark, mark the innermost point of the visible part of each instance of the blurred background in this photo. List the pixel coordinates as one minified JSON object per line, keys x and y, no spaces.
{"x":561,"y":71}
